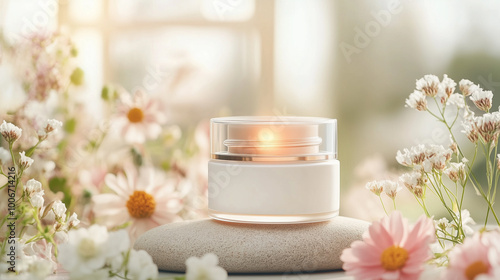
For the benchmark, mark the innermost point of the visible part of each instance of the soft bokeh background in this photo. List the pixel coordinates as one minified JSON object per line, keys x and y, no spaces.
{"x":355,"y":61}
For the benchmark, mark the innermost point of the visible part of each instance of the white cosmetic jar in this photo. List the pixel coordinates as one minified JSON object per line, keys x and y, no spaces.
{"x":279,"y":170}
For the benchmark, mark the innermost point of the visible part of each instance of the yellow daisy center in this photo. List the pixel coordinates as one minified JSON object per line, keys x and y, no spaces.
{"x":87,"y":248}
{"x":476,"y":268}
{"x":394,"y":258}
{"x":135,"y":115}
{"x":141,"y":205}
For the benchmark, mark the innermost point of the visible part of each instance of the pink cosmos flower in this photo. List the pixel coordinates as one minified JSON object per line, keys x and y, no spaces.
{"x":139,"y":117}
{"x":147,"y":199}
{"x":391,"y":249}
{"x":477,"y":258}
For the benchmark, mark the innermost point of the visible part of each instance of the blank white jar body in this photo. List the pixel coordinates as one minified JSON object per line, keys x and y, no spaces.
{"x":274,"y":192}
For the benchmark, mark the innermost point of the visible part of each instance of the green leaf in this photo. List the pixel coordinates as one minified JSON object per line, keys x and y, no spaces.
{"x":136,"y":156}
{"x":30,"y":151}
{"x":105,"y":93}
{"x":77,"y":76}
{"x":74,"y":52}
{"x":70,"y":125}
{"x":59,"y":184}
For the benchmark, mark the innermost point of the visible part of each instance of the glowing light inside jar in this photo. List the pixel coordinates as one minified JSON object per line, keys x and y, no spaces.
{"x":281,"y":140}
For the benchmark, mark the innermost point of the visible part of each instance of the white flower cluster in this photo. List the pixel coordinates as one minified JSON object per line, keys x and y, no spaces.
{"x":444,"y":91}
{"x":425,"y":157}
{"x":34,"y":191}
{"x":415,"y":182}
{"x":446,"y":228}
{"x":485,"y":127}
{"x":96,"y":253}
{"x":390,"y":188}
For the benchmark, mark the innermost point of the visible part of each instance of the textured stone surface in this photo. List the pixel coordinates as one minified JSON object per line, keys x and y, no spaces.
{"x":250,"y":248}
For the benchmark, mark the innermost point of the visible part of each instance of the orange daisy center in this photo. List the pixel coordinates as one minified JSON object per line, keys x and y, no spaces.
{"x":394,"y":258}
{"x":135,"y":115}
{"x":476,"y":268}
{"x":141,"y":205}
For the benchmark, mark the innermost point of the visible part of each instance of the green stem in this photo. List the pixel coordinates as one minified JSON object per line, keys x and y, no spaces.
{"x":383,"y":206}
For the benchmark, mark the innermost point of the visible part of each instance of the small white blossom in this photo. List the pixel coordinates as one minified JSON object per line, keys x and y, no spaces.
{"x":48,"y":127}
{"x":73,"y":221}
{"x":375,"y":187}
{"x":32,"y":186}
{"x":443,"y":224}
{"x":456,"y":171}
{"x":488,"y":126}
{"x":470,"y":130}
{"x":204,"y":268}
{"x":10,"y":132}
{"x":464,"y":86}
{"x":429,"y":85}
{"x":52,"y":125}
{"x":4,"y":156}
{"x":25,"y":162}
{"x":466,"y":222}
{"x":141,"y":267}
{"x":37,"y":200}
{"x":417,"y":100}
{"x":59,"y":209}
{"x":415,"y":183}
{"x":456,"y":99}
{"x":482,"y":99}
{"x":391,"y":188}
{"x":425,"y":157}
{"x":448,"y":85}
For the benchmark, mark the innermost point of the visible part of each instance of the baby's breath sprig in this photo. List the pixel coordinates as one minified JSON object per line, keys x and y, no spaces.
{"x":445,"y":171}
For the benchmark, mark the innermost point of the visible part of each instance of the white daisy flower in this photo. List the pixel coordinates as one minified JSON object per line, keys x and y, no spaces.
{"x":140,"y":118}
{"x":88,"y":249}
{"x":205,"y":267}
{"x":146,"y":199}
